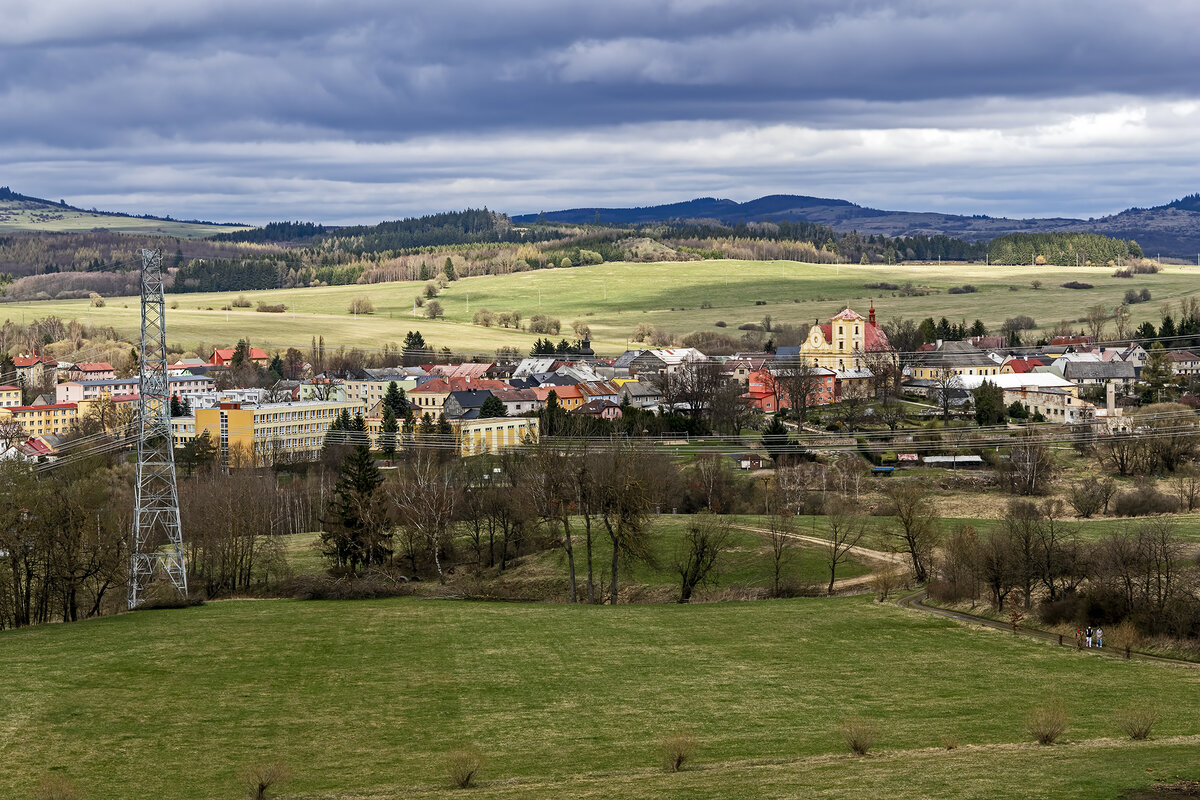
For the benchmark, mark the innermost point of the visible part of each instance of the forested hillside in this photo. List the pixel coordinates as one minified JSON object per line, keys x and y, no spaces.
{"x":1061,"y":248}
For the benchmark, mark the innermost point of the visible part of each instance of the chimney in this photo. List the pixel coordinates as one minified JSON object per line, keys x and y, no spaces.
{"x":871,"y":314}
{"x":1110,"y":399}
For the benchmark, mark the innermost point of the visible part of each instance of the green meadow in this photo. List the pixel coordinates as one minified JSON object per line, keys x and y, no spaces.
{"x":19,"y":216}
{"x":363,"y":699}
{"x":614,"y":298}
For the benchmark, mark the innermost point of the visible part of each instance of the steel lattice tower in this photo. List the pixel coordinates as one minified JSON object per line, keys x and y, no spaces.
{"x":157,"y":533}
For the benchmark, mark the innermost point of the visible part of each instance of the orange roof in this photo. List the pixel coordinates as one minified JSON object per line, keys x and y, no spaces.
{"x":561,"y":392}
{"x":95,"y":366}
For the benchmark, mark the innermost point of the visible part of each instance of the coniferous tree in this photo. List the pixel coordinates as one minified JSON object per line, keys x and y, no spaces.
{"x":395,"y":400}
{"x":1157,"y":378}
{"x":492,"y":407}
{"x":356,"y":525}
{"x":390,"y":427}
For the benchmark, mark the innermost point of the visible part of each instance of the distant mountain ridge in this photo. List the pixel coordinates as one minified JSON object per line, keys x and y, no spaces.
{"x":1172,"y":229}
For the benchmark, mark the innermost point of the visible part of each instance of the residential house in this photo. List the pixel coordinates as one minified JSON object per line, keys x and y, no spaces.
{"x":600,"y":409}
{"x":33,"y":370}
{"x":569,"y":397}
{"x":224,"y":358}
{"x":640,"y":394}
{"x":739,"y":366}
{"x":1055,"y":405}
{"x":92,"y":371}
{"x":518,"y":402}
{"x":668,"y":361}
{"x":1084,"y":373}
{"x":1019,"y":366}
{"x":465,"y":404}
{"x":1184,"y":363}
{"x":430,"y":394}
{"x":764,"y":393}
{"x":10,"y":396}
{"x":957,"y":358}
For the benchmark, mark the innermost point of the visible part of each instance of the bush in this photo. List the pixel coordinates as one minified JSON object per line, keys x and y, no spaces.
{"x":1047,"y":723}
{"x":362,"y":305}
{"x":641,"y":332}
{"x":760,"y":302}
{"x":676,"y":749}
{"x":96,"y":300}
{"x":884,"y":285}
{"x":433,"y":309}
{"x":462,"y":766}
{"x":1076,"y":285}
{"x":277,"y":308}
{"x":240,"y":302}
{"x":908,"y":290}
{"x":860,"y":734}
{"x":365,"y":587}
{"x":262,"y":777}
{"x":751,"y":326}
{"x":431,"y":290}
{"x":706,"y":303}
{"x":965,"y":289}
{"x":720,"y":323}
{"x":1138,"y":721}
{"x":484,"y":317}
{"x":1142,"y":501}
{"x":541,"y":323}
{"x":1090,"y":496}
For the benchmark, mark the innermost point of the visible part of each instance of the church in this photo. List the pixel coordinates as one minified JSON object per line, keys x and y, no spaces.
{"x":843,"y":343}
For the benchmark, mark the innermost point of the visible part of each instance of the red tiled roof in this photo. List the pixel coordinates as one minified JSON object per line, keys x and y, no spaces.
{"x":40,"y":408}
{"x":873,"y":337}
{"x":95,"y":366}
{"x":459,"y":384}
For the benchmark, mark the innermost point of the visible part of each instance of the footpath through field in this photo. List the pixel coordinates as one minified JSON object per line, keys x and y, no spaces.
{"x":878,"y":556}
{"x":916,"y":601}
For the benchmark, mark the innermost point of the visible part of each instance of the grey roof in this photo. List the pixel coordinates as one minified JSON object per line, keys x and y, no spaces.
{"x":954,"y":354}
{"x":1096,"y":370}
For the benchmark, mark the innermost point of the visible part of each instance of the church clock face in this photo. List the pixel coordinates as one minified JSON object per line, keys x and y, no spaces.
{"x":816,"y":338}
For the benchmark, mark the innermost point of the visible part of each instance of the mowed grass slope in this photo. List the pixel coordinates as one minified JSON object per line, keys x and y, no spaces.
{"x":612,"y":299}
{"x":363,"y":699}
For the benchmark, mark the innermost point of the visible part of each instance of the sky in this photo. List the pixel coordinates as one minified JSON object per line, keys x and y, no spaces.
{"x":362,"y":110}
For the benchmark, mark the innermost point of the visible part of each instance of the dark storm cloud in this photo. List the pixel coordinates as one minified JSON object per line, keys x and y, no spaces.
{"x":506,"y":99}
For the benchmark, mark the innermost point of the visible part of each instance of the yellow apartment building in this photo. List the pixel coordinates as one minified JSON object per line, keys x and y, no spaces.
{"x":474,"y":437}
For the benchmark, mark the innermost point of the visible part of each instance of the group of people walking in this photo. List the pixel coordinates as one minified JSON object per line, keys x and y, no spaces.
{"x":1089,"y":635}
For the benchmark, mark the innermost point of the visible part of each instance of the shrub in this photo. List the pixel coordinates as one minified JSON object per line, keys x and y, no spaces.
{"x":1142,"y":501}
{"x":433,"y":309}
{"x":751,"y":326}
{"x":1076,"y":285}
{"x":950,"y":742}
{"x":760,"y":302}
{"x":964,"y":289}
{"x":365,"y":587}
{"x":661,"y":338}
{"x":641,"y":332}
{"x":96,"y":301}
{"x":706,"y":303}
{"x":541,"y":323}
{"x":1138,"y":721}
{"x":676,"y":749}
{"x":277,"y":308}
{"x":860,"y":734}
{"x":240,"y":302}
{"x":720,"y":323}
{"x":1089,"y":496}
{"x":462,"y":766}
{"x":431,"y":290}
{"x":908,"y":290}
{"x":1047,"y":723}
{"x":262,"y":777}
{"x":362,"y":305}
{"x":419,"y":301}
{"x":484,"y":317}
{"x":884,"y":285}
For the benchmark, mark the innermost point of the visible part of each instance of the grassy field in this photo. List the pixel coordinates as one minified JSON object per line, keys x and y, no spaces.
{"x":613,"y":298}
{"x":23,"y":216}
{"x":363,"y":699}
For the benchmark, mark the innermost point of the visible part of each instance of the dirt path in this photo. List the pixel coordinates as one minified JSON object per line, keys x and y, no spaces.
{"x":916,"y":602}
{"x":880,"y":557}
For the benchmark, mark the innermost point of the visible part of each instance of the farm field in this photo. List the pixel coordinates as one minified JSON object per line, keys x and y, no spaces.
{"x":363,"y":699}
{"x":20,"y":216}
{"x":613,"y":298}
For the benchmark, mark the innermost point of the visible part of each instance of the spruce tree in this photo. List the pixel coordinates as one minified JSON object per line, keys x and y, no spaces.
{"x":492,"y":407}
{"x":395,"y":399}
{"x":355,"y":531}
{"x":390,"y":427}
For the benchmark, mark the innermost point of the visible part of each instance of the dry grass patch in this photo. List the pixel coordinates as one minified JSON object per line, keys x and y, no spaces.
{"x":860,"y":734}
{"x":676,"y":749}
{"x":463,"y":765}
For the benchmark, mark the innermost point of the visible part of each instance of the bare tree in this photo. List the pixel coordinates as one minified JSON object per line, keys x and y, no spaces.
{"x":1097,"y":318}
{"x":624,"y":497}
{"x":946,"y":384}
{"x":1030,"y":466}
{"x":913,"y":507}
{"x":425,"y":497}
{"x":780,"y":525}
{"x":795,"y":383}
{"x":847,"y":527}
{"x":704,"y":540}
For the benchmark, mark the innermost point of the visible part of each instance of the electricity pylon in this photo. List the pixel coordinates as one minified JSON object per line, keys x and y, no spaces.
{"x":157,"y":534}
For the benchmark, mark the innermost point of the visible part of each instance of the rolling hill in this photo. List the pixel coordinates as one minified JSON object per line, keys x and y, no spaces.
{"x":1171,"y":229}
{"x":19,"y":212}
